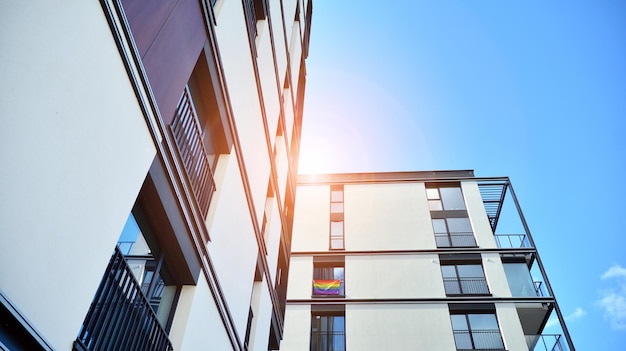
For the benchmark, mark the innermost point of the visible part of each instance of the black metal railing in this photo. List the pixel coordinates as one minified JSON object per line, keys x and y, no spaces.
{"x":486,"y":339}
{"x":455,"y":240}
{"x":512,"y":241}
{"x":187,"y":133}
{"x":466,"y":286}
{"x":546,"y":342}
{"x":328,"y":341}
{"x":120,"y":316}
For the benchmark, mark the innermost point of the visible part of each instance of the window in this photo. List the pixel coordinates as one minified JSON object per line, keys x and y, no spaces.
{"x":445,"y":198}
{"x":148,"y":270}
{"x":328,"y":278}
{"x":328,"y":331}
{"x":336,"y":217}
{"x":453,"y":232}
{"x":464,"y":279}
{"x":476,"y":331}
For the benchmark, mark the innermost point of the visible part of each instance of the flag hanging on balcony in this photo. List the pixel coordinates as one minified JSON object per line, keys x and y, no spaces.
{"x":326,"y":287}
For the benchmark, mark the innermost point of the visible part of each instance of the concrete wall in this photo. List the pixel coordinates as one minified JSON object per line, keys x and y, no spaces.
{"x":387,"y":217}
{"x":74,"y":149}
{"x":393,"y":276}
{"x":398,"y":327}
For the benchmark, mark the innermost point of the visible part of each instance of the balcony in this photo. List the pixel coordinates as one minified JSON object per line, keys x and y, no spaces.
{"x":546,"y":342}
{"x":187,"y":133}
{"x":484,"y":339}
{"x":455,"y":239}
{"x":466,"y":286}
{"x":328,"y":341}
{"x":512,"y":241}
{"x":120,"y":316}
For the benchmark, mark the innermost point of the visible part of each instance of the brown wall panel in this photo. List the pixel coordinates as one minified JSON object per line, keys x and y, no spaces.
{"x":146,"y":19}
{"x":171,"y":56}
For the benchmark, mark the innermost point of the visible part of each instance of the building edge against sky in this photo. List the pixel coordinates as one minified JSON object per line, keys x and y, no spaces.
{"x":398,"y":260}
{"x":166,"y":133}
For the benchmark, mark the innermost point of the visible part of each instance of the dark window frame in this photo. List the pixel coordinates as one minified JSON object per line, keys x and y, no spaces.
{"x":337,"y":241}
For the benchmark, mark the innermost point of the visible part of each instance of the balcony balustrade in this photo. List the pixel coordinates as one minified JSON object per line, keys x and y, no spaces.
{"x":466,"y":286}
{"x":328,"y":341}
{"x":187,"y":133}
{"x":455,"y":239}
{"x":512,"y":241}
{"x":120,"y":317}
{"x":546,"y":342}
{"x":485,"y":339}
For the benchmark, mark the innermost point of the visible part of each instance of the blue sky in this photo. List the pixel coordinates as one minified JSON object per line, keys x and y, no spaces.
{"x":533,"y":90}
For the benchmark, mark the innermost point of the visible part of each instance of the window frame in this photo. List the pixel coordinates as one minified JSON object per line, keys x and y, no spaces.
{"x":336,"y":241}
{"x":476,"y":309}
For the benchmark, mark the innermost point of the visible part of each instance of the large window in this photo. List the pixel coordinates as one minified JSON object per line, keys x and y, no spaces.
{"x":336,"y":217}
{"x":328,"y":279}
{"x":476,"y":331}
{"x":445,"y":198}
{"x":453,"y":232}
{"x":328,"y":331}
{"x":464,"y":279}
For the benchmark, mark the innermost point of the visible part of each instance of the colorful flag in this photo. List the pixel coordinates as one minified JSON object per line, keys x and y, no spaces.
{"x":326,"y":287}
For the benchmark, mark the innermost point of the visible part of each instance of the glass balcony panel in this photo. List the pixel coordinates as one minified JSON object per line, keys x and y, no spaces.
{"x":520,"y":280}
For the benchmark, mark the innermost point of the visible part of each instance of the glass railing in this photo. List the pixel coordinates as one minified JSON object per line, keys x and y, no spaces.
{"x":546,"y":342}
{"x":512,"y":241}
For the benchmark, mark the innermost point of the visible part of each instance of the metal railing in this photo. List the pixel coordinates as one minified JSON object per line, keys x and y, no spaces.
{"x":546,"y":342}
{"x":466,"y":286}
{"x":539,"y":288}
{"x":120,"y":316}
{"x":187,"y":133}
{"x":512,"y":241}
{"x":328,"y":341}
{"x":455,"y":240}
{"x":486,"y":339}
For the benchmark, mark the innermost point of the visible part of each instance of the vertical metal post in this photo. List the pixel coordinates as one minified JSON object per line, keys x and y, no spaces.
{"x":541,"y":268}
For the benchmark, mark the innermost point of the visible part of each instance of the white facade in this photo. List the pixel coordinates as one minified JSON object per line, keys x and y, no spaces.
{"x":88,"y":105}
{"x":404,"y":283}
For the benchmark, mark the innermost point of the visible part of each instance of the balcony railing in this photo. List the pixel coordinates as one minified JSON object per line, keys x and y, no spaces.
{"x":120,"y":317}
{"x":455,"y":240}
{"x":187,"y":133}
{"x":485,"y":339}
{"x":328,"y":341}
{"x":466,"y":286}
{"x":546,"y":342}
{"x":512,"y":241}
{"x":539,"y":288}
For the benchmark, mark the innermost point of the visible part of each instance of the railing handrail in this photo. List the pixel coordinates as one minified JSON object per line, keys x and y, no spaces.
{"x":120,"y":316}
{"x":522,"y":241}
{"x":187,"y":133}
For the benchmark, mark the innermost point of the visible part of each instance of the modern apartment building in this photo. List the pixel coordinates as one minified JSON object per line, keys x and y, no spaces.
{"x":148,"y":168}
{"x":438,"y":260}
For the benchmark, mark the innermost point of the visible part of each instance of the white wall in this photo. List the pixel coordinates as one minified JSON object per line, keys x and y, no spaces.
{"x":297,"y":332}
{"x":393,"y":276}
{"x":233,"y":247}
{"x":387,"y":217}
{"x":74,"y":149}
{"x":398,"y":327}
{"x":478,"y":216}
{"x":300,"y":283}
{"x":511,"y":327}
{"x":197,"y":321}
{"x":311,"y":223}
